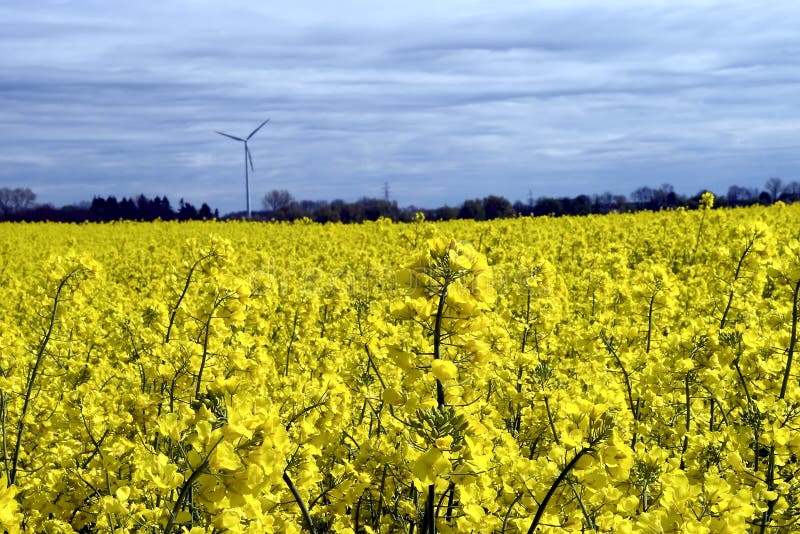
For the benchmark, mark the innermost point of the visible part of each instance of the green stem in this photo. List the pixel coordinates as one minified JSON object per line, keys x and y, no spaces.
{"x":650,"y":320}
{"x":186,"y":489}
{"x":300,"y":502}
{"x":557,"y":482}
{"x":437,"y":342}
{"x":380,"y":498}
{"x":12,"y":474}
{"x":174,"y":311}
{"x":550,"y":420}
{"x":767,"y":517}
{"x":508,"y":513}
{"x":736,"y":274}
{"x":291,"y":342}
{"x":586,"y":517}
{"x":688,"y":401}
{"x":792,"y":340}
{"x":450,"y":501}
{"x":3,"y":416}
{"x":206,"y":335}
{"x":429,"y":521}
{"x":699,"y":235}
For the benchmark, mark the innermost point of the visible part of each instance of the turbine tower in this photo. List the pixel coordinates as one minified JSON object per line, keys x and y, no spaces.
{"x":248,"y":159}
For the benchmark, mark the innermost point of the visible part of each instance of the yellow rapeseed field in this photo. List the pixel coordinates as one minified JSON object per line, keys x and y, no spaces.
{"x":619,"y":373}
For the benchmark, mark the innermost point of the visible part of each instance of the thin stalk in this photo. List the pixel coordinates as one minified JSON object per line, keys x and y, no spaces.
{"x":508,"y":513}
{"x":711,"y":403}
{"x":3,"y":416}
{"x":688,"y":401}
{"x":186,"y":489}
{"x":174,"y":311}
{"x":645,"y":505}
{"x":291,"y":342}
{"x":428,"y":520}
{"x":357,"y":512}
{"x":586,"y":517}
{"x":767,"y":517}
{"x":371,"y":363}
{"x":300,"y":502}
{"x":628,"y":388}
{"x":370,"y":359}
{"x":380,"y":498}
{"x":12,"y":473}
{"x":517,"y":424}
{"x":550,"y":420}
{"x":792,"y":340}
{"x":742,"y":380}
{"x":736,"y":274}
{"x":437,"y":342}
{"x":699,"y":235}
{"x":450,"y":501}
{"x":650,"y":321}
{"x":557,"y":482}
{"x":206,"y":335}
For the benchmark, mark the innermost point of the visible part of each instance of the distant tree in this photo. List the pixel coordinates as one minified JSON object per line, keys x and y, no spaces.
{"x":103,"y":209}
{"x":548,"y":206}
{"x":112,"y":208}
{"x":351,"y":212}
{"x":290,"y":212}
{"x":774,"y":187}
{"x":791,"y":192}
{"x":127,"y":209}
{"x":163,"y":208}
{"x":665,"y":197}
{"x":522,"y":208}
{"x":98,"y":204}
{"x":186,"y":211}
{"x":144,"y":207}
{"x":326,"y":213}
{"x":312,"y":205}
{"x":443,"y":213}
{"x":602,"y":203}
{"x":741,"y":196}
{"x":472,"y":209}
{"x":580,"y":205}
{"x":277,"y":199}
{"x":643,"y":197}
{"x":371,"y":209}
{"x":608,"y":202}
{"x":205,"y":212}
{"x":495,"y":207}
{"x":16,"y":200}
{"x":46,"y":212}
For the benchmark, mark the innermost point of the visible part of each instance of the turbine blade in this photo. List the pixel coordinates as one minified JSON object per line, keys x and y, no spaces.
{"x":231,"y":136}
{"x":249,"y":158}
{"x":257,"y":129}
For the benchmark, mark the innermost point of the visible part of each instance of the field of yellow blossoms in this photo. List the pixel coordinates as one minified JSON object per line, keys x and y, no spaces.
{"x":619,"y":373}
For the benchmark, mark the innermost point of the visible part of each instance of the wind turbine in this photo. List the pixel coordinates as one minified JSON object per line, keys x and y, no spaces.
{"x":248,"y":159}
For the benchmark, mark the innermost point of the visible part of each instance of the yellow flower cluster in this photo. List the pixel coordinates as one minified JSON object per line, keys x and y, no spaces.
{"x":623,"y":373}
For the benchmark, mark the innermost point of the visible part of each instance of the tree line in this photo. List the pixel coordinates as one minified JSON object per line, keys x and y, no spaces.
{"x":20,"y":205}
{"x":280,"y":205}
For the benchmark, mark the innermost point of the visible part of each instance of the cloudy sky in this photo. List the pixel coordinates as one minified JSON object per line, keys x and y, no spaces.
{"x":443,"y":100}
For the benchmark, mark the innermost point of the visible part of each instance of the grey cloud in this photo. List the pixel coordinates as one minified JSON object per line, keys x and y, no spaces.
{"x":444,"y":108}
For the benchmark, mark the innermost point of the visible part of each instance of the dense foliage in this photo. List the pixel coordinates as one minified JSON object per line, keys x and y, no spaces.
{"x":18,"y":204}
{"x":618,"y":373}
